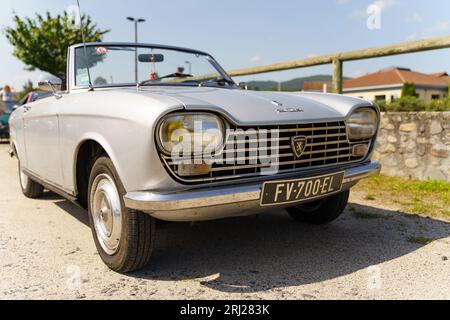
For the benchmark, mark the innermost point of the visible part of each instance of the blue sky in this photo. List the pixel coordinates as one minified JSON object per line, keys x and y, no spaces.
{"x":248,"y":33}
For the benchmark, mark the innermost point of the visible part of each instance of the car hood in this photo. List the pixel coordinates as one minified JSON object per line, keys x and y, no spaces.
{"x":256,"y":107}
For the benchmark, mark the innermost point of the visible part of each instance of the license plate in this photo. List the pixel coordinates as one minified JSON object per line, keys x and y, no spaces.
{"x":297,"y":191}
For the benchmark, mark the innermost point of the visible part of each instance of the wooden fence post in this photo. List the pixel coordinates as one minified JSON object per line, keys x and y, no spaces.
{"x":337,"y":75}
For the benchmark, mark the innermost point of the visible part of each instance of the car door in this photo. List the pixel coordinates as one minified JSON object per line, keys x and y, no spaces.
{"x":17,"y":134}
{"x":41,"y":131}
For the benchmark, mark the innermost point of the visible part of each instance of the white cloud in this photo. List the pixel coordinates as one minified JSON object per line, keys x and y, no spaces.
{"x":415,"y":17}
{"x":255,"y":59}
{"x":358,"y":14}
{"x":357,"y":74}
{"x":384,"y":4}
{"x":411,"y":37}
{"x":438,"y":27}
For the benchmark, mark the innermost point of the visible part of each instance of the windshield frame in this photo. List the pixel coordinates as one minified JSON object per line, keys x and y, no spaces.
{"x":72,"y":66}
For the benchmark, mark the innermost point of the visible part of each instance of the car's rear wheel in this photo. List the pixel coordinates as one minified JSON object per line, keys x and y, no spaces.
{"x":124,"y":238}
{"x":30,"y":188}
{"x":322,"y":211}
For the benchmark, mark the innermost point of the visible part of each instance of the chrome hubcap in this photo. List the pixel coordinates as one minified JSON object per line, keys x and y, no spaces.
{"x":106,"y":213}
{"x":23,"y":179}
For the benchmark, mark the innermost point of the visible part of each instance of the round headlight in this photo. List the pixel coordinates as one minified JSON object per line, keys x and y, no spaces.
{"x":191,"y":134}
{"x":362,"y":124}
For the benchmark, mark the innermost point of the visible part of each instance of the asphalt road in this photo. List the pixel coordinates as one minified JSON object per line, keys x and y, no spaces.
{"x":47,"y":252}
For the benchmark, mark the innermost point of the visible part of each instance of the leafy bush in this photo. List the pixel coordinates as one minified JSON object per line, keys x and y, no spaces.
{"x":382,"y":104}
{"x":407,"y":104}
{"x":414,"y":104}
{"x":439,"y":105}
{"x":409,"y":90}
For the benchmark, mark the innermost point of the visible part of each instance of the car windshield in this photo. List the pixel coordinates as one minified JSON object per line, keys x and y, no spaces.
{"x":128,"y":65}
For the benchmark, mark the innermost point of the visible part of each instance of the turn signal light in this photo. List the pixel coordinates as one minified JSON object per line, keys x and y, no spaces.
{"x":186,"y":170}
{"x":360,"y":150}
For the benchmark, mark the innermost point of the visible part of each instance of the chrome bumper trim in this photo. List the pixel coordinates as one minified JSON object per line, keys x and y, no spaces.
{"x":148,"y":201}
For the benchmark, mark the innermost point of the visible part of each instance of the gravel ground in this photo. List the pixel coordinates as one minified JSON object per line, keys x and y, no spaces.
{"x":372,"y":252}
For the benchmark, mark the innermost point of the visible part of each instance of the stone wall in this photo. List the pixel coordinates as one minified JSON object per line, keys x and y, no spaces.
{"x":415,"y":145}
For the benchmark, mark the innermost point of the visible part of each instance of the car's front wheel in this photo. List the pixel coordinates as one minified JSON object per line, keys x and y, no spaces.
{"x":322,"y":211}
{"x":123,"y":237}
{"x":30,"y":188}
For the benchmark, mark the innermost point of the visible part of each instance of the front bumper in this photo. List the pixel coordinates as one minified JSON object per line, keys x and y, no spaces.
{"x":221,"y":202}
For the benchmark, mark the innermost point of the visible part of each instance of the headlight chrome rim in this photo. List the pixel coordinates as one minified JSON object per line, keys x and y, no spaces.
{"x":362,"y":136}
{"x":222,"y":124}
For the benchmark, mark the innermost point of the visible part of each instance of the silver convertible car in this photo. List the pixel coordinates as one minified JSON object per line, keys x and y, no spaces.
{"x":140,"y":133}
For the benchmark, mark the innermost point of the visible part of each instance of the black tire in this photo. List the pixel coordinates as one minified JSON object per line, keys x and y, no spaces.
{"x":322,"y":211}
{"x":137,"y":229}
{"x":30,"y":188}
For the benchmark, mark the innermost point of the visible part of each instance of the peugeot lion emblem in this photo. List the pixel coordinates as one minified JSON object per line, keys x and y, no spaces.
{"x":298,"y":145}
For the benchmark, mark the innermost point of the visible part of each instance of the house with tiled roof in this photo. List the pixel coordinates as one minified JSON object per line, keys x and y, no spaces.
{"x":386,"y":85}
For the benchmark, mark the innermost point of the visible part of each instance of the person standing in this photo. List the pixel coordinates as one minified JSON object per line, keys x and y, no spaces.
{"x":9,"y":98}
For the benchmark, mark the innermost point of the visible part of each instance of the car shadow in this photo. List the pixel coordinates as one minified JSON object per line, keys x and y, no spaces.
{"x":270,"y":251}
{"x":78,"y":213}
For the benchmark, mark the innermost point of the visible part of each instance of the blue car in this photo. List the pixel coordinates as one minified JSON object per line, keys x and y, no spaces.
{"x":4,"y":127}
{"x":4,"y":118}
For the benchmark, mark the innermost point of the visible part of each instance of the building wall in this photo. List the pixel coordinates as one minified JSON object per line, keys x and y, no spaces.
{"x":370,"y":95}
{"x":424,"y":94}
{"x":415,"y":145}
{"x":427,"y":94}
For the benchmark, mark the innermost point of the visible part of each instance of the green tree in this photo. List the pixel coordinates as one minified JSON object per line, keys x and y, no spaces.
{"x":42,"y":43}
{"x":409,"y":90}
{"x":27,"y":88}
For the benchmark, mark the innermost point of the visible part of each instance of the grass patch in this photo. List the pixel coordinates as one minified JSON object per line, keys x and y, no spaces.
{"x":370,"y":197}
{"x":420,"y":197}
{"x":420,"y":240}
{"x":363,"y":215}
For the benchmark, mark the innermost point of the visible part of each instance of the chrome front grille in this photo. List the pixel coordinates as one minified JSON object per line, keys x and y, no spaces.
{"x":326,"y":145}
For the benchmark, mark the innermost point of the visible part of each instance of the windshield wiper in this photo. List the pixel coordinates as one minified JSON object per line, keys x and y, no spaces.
{"x":219,"y":81}
{"x":145,"y":82}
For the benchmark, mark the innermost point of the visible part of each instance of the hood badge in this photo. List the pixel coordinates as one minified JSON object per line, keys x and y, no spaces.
{"x":290,"y":110}
{"x":286,"y":110}
{"x":299,"y":145}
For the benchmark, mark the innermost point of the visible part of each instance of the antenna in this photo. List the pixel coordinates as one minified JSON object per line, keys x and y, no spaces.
{"x":91,"y":88}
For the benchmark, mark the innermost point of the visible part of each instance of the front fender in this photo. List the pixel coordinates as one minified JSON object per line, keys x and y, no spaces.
{"x":130,"y":146}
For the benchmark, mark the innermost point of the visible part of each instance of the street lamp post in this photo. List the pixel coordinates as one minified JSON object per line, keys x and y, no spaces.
{"x":190,"y":66}
{"x":136,"y":22}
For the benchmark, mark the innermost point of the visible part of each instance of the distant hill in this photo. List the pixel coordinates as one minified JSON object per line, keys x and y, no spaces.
{"x":291,"y":85}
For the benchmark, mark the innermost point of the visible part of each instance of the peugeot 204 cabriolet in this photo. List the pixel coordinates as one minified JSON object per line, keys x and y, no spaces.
{"x":142,"y":132}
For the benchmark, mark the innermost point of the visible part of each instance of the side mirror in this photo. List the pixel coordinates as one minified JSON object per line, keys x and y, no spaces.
{"x":243,"y":85}
{"x":50,"y":84}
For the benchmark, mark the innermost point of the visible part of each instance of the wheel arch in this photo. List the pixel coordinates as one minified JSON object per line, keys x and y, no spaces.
{"x":87,"y":151}
{"x":14,"y":149}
